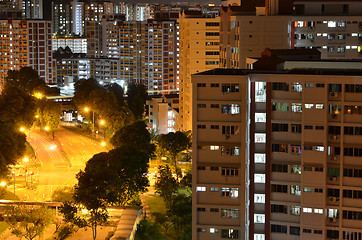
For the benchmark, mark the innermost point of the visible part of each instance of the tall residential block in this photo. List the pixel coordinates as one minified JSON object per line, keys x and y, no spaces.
{"x":199,"y":51}
{"x":276,"y":154}
{"x":26,"y":43}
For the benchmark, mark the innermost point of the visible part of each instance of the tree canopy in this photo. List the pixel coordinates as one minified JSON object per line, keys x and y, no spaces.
{"x":49,"y":113}
{"x":29,"y":221}
{"x":137,"y":96}
{"x":165,"y":184}
{"x":136,"y":135}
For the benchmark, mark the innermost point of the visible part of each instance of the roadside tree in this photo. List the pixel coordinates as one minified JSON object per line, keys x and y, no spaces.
{"x":29,"y":221}
{"x":137,"y":96}
{"x":165,"y":184}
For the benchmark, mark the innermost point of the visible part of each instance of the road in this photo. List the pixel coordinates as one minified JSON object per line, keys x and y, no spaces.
{"x":58,"y":165}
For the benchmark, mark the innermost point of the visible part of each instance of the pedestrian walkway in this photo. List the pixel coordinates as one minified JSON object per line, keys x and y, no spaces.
{"x":146,"y":208}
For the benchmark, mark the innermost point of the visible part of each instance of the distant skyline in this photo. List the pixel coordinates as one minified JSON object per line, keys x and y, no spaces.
{"x":174,"y":1}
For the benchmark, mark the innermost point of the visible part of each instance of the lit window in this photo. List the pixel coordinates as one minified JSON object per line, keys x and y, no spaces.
{"x":332,"y":24}
{"x":319,"y":106}
{"x":260,"y":137}
{"x":200,"y":189}
{"x":309,"y":106}
{"x":213,"y":230}
{"x":260,"y":117}
{"x":259,"y":158}
{"x":259,"y":236}
{"x":295,"y":210}
{"x":214,"y":148}
{"x":259,"y":218}
{"x":259,"y":178}
{"x":319,"y":148}
{"x":318,"y":211}
{"x":307,"y":210}
{"x":259,"y":198}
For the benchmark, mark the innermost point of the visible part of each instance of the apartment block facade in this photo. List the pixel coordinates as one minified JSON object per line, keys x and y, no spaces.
{"x":334,"y":28}
{"x":26,"y":43}
{"x":199,"y":51}
{"x":276,"y":154}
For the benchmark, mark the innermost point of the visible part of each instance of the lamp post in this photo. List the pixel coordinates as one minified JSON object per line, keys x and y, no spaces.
{"x":26,"y":170}
{"x":13,"y":172}
{"x":87,"y":110}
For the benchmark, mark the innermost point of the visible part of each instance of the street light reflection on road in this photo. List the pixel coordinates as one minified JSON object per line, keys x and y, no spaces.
{"x":52,"y":147}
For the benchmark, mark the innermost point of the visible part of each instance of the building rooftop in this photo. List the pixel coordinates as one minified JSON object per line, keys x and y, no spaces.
{"x":297,"y":71}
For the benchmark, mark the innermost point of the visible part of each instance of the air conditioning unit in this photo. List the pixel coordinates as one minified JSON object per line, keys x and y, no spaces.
{"x":333,"y":94}
{"x":333,"y":199}
{"x":333,"y":179}
{"x":333,"y":219}
{"x":334,"y":158}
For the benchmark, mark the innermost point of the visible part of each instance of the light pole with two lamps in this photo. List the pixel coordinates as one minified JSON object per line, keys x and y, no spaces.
{"x":87,"y":110}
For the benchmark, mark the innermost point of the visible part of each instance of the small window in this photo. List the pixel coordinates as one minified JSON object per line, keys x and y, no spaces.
{"x":201,"y":85}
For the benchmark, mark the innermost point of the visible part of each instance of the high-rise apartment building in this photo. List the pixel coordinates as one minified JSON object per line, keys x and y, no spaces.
{"x":199,"y":51}
{"x":26,"y":43}
{"x":32,"y":9}
{"x":333,"y":28}
{"x":76,"y":44}
{"x":276,"y":153}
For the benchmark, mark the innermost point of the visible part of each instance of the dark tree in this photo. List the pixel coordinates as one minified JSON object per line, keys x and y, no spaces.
{"x":111,"y":178}
{"x":83,"y":89}
{"x":118,"y":92}
{"x":165,"y":184}
{"x":135,"y":135}
{"x":49,"y":115}
{"x":12,"y":146}
{"x":180,"y":211}
{"x":27,"y":79}
{"x":173,"y":144}
{"x":17,"y":106}
{"x":137,"y":96}
{"x":147,"y":230}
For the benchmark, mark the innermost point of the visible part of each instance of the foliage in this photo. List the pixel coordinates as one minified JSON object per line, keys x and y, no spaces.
{"x":17,"y":106}
{"x":186,"y":181}
{"x":135,"y":135}
{"x":173,"y":143}
{"x":29,"y":221}
{"x":83,"y":89}
{"x":65,"y":231}
{"x":180,"y":211}
{"x":49,"y":113}
{"x":63,"y":194}
{"x":69,"y":210}
{"x":12,"y":146}
{"x":27,"y":79}
{"x":137,"y":96}
{"x":165,"y":184}
{"x":107,"y":103}
{"x":147,"y":230}
{"x":111,"y":178}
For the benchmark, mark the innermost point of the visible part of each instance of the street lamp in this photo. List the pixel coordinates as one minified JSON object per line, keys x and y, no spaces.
{"x":103,"y":144}
{"x":26,"y":170}
{"x":46,"y":128}
{"x":3,"y":184}
{"x":38,"y":95}
{"x":87,"y":110}
{"x":13,"y":172}
{"x":22,"y":129}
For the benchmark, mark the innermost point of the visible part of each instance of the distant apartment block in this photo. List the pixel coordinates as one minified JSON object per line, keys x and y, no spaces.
{"x":163,"y":113}
{"x":276,"y":153}
{"x":199,"y":51}
{"x":26,"y":43}
{"x":76,"y":44}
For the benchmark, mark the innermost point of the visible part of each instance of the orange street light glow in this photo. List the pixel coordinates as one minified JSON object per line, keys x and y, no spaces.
{"x":22,"y":129}
{"x":46,"y":128}
{"x":3,"y":184}
{"x":25,"y":159}
{"x":52,"y":147}
{"x":103,"y":144}
{"x":86,"y":109}
{"x":102,"y":122}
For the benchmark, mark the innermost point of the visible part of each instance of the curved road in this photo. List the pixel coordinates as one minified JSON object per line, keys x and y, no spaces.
{"x":58,"y":165}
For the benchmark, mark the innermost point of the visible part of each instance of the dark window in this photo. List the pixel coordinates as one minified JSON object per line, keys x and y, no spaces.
{"x":275,"y":208}
{"x":335,"y":130}
{"x":279,"y":168}
{"x":281,"y":86}
{"x":279,"y":127}
{"x":279,"y":228}
{"x":294,"y":230}
{"x":279,"y":188}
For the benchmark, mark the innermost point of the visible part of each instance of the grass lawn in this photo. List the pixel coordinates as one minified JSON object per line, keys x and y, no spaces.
{"x":3,"y":227}
{"x":156,"y":205}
